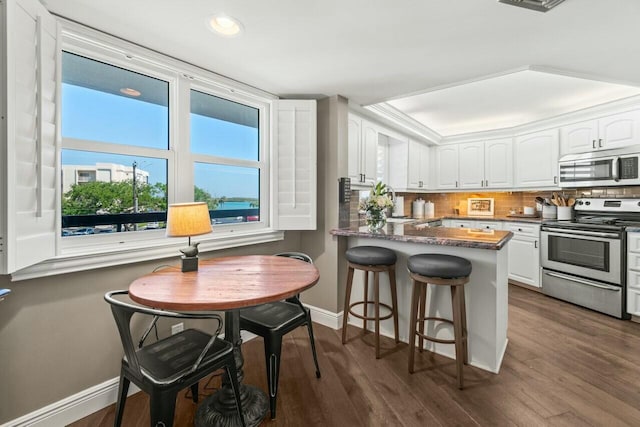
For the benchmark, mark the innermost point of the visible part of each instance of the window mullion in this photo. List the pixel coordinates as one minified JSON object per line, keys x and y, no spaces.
{"x":105,"y":147}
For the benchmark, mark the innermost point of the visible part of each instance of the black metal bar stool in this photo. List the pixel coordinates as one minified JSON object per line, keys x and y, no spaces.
{"x":440,"y":270}
{"x":371,"y":259}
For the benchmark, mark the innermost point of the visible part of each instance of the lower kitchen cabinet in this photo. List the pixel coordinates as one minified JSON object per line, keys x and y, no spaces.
{"x":633,"y":273}
{"x":524,"y":253}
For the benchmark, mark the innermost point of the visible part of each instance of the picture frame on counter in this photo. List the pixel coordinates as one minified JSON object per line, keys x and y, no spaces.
{"x":482,"y":206}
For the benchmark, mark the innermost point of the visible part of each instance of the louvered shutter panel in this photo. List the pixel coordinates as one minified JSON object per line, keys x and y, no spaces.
{"x":32,"y":97}
{"x":296,"y":165}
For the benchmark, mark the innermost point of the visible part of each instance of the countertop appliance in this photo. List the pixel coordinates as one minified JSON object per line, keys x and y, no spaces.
{"x":600,"y":168}
{"x":584,"y":259}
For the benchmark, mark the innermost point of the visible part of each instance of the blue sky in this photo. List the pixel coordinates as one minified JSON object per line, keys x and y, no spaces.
{"x":99,"y":116}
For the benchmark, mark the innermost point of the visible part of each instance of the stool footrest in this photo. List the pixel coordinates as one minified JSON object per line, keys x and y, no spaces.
{"x":438,"y":340}
{"x":360,"y":316}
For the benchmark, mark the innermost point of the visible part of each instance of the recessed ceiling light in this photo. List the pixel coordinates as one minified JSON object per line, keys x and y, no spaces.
{"x":225,"y":25}
{"x":130,"y":92}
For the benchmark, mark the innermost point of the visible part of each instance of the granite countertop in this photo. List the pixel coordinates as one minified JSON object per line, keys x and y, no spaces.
{"x":443,"y":236}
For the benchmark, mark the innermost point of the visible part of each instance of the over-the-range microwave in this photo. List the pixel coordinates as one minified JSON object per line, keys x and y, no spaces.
{"x":600,"y":168}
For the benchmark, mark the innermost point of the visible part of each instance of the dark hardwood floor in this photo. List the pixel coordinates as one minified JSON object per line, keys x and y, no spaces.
{"x":564,"y":366}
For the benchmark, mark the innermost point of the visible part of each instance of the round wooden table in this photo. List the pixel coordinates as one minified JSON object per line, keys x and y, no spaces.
{"x":227,"y":284}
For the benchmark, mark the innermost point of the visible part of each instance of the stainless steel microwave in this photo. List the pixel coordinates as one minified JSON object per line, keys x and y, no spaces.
{"x":600,"y":168}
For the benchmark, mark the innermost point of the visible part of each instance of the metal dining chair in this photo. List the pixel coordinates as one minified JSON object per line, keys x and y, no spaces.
{"x":164,"y":367}
{"x":272,"y":321}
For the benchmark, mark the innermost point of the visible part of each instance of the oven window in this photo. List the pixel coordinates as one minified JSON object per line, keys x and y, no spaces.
{"x":590,"y":254}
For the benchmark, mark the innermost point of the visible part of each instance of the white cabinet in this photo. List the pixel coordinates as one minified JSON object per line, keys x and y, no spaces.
{"x":480,"y":164}
{"x":614,"y":131}
{"x":536,"y":159}
{"x":446,"y":166}
{"x":633,"y":274}
{"x":498,"y":163}
{"x":524,"y":253}
{"x":471,"y":165}
{"x":362,"y":150}
{"x":418,"y":173}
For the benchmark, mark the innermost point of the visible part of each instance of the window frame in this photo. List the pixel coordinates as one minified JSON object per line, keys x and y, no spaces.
{"x":86,"y":252}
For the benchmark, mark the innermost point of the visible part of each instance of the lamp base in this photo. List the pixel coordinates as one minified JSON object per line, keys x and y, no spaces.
{"x":189,"y":263}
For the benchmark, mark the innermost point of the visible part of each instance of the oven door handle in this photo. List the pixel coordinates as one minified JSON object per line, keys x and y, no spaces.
{"x":583,"y":281}
{"x":581,"y":232}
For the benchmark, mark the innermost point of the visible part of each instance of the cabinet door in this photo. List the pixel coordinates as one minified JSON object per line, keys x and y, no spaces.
{"x":536,"y":159}
{"x":471,"y":165}
{"x":579,"y":137}
{"x":524,"y":260}
{"x":619,"y":130}
{"x":447,"y":166}
{"x":498,"y":163}
{"x":354,"y":142}
{"x":418,"y":165}
{"x":369,"y":151}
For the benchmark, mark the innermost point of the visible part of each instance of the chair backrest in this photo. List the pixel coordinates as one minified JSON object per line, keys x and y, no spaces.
{"x":297,"y":255}
{"x":124,"y":311}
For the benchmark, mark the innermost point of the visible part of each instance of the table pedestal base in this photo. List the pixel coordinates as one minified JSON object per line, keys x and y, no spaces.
{"x":219,"y":409}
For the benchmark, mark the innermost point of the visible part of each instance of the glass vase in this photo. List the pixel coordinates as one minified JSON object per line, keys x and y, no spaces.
{"x":376,"y":219}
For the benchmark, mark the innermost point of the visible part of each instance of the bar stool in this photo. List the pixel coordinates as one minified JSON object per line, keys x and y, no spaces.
{"x":440,"y":270}
{"x":371,"y":259}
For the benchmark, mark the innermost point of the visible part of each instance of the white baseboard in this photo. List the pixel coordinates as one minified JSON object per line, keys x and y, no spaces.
{"x":325,"y":317}
{"x":73,"y":408}
{"x":93,"y":399}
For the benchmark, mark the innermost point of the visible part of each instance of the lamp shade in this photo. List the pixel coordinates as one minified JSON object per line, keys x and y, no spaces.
{"x":188,"y":219}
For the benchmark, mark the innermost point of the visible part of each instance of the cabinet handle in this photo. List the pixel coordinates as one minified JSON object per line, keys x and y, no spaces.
{"x":555,"y":179}
{"x":456,"y":184}
{"x":486,"y":182}
{"x":594,"y":143}
{"x":600,"y":143}
{"x":519,"y":229}
{"x":535,"y":244}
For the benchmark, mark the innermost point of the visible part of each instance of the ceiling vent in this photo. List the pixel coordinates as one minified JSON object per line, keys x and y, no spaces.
{"x":539,"y":5}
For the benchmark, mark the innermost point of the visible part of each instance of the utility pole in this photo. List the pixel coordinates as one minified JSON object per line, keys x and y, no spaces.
{"x":135,"y":192}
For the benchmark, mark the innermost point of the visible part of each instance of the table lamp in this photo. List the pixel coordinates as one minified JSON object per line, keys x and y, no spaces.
{"x":188,"y":219}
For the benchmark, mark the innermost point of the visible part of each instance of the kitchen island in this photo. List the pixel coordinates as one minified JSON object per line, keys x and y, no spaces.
{"x":486,"y":293}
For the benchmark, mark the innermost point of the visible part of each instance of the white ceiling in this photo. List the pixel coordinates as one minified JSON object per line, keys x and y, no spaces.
{"x":372,"y":51}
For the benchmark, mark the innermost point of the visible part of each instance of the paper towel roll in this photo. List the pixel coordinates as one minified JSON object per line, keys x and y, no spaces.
{"x":398,"y":208}
{"x":418,"y":208}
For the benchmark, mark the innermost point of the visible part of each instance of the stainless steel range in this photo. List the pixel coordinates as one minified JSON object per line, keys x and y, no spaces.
{"x":584,"y":260}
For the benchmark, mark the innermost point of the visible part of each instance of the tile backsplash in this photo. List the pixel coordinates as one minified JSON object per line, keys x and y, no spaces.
{"x":447,"y":203}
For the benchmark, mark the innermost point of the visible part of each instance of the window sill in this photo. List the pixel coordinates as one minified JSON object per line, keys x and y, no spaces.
{"x":138,"y":252}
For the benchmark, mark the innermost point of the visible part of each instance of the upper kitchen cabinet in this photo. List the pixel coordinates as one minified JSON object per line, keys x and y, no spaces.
{"x":536,"y":159}
{"x":471,"y":165}
{"x":614,"y":131}
{"x":363,"y":150}
{"x":446,"y":167}
{"x":498,"y":163}
{"x":418,"y":173}
{"x":481,"y":164}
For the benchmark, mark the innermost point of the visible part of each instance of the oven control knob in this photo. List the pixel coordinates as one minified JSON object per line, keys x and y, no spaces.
{"x":587,"y":203}
{"x":580,"y":202}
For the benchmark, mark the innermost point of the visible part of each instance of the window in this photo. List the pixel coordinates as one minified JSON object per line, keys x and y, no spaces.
{"x":140,"y":131}
{"x":115,"y":129}
{"x":225,"y":140}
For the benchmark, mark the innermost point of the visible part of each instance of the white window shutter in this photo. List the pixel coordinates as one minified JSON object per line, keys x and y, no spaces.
{"x":295,"y":165}
{"x":32,"y":155}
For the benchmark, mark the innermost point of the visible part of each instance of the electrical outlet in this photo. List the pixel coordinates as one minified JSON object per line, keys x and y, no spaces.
{"x":178,"y":327}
